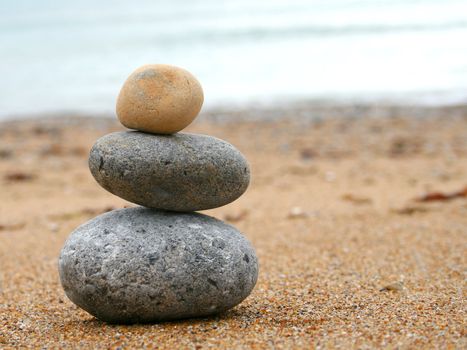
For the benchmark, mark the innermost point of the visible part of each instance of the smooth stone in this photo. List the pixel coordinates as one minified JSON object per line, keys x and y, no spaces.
{"x":180,"y":172}
{"x":140,"y":265}
{"x":159,"y":99}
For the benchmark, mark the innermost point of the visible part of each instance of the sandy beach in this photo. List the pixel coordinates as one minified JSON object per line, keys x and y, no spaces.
{"x":358,"y":215}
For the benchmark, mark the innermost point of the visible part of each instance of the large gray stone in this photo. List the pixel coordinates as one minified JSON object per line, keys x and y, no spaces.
{"x":142,"y":265}
{"x":180,"y":172}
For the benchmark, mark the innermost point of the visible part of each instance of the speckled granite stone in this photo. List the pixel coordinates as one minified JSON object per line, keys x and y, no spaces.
{"x":142,"y":265}
{"x":180,"y":172}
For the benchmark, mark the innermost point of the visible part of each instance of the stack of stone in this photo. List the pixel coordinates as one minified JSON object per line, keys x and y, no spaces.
{"x":161,"y":261}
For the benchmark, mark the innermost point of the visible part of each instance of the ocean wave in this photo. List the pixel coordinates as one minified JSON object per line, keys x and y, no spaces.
{"x":306,"y":31}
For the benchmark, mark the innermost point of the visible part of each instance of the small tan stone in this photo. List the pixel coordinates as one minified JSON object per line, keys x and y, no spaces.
{"x":159,"y":99}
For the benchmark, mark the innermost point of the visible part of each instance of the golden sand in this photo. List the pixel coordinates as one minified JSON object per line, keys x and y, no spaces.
{"x":348,"y":258}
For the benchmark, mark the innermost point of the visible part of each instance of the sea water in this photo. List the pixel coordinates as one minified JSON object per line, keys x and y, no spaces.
{"x":68,"y":55}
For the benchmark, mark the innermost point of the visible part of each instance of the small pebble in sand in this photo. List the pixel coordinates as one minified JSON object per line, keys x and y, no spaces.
{"x":19,"y":176}
{"x":54,"y":227}
{"x":159,"y":99}
{"x":297,"y":213}
{"x":393,"y":287}
{"x":330,"y":176}
{"x":236,"y":217}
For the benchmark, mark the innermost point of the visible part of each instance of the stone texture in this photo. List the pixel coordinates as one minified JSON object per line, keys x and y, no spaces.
{"x":159,"y":99}
{"x":180,"y":172}
{"x":142,"y":265}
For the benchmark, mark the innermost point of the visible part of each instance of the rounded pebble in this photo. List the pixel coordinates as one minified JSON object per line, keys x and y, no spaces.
{"x":159,"y":99}
{"x":140,"y":265}
{"x":180,"y":172}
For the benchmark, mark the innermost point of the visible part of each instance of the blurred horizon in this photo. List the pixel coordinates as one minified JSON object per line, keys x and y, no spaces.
{"x":74,"y":56}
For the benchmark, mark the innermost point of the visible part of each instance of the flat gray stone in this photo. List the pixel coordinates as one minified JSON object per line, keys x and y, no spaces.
{"x":180,"y":172}
{"x":143,"y":265}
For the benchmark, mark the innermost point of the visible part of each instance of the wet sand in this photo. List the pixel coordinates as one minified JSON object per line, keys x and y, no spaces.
{"x":349,"y":258}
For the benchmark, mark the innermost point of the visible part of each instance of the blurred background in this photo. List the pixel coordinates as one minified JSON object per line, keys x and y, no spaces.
{"x":73,"y":56}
